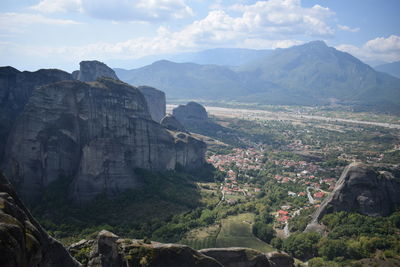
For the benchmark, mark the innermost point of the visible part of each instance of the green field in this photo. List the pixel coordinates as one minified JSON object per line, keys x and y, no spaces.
{"x":234,"y":231}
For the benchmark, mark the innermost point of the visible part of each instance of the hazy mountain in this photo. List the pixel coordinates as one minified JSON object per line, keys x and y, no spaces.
{"x":186,"y":80}
{"x":324,"y":74}
{"x":390,"y":68}
{"x":217,"y":56}
{"x":309,"y":74}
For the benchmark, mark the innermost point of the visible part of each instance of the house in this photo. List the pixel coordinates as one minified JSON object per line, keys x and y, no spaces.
{"x":282,"y":212}
{"x":283,"y":219}
{"x":319,"y":195}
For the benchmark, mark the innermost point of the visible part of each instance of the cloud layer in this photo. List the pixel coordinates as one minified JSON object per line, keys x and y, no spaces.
{"x":120,"y":10}
{"x":378,"y":49}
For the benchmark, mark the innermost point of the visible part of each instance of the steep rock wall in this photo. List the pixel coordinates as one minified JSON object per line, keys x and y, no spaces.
{"x":97,"y":133}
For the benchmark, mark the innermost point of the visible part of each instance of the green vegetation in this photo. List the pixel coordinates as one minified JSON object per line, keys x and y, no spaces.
{"x":350,"y":236}
{"x":236,"y":231}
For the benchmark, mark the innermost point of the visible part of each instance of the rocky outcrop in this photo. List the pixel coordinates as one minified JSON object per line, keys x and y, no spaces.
{"x":95,"y":134}
{"x":192,"y":111}
{"x":155,"y":101}
{"x":23,"y":241}
{"x":364,"y":190}
{"x":280,"y":259}
{"x":108,"y":250}
{"x":171,"y":123}
{"x":15,"y":89}
{"x":92,"y":70}
{"x":237,"y":257}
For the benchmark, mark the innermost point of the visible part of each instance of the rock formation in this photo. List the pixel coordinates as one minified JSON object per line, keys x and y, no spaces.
{"x":92,"y":70}
{"x":171,"y":123}
{"x":155,"y":101}
{"x":192,"y":111}
{"x":15,"y":89}
{"x":23,"y":242}
{"x":110,"y":250}
{"x":95,"y":133}
{"x":364,"y":190}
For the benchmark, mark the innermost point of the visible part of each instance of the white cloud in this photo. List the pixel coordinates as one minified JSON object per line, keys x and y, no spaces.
{"x":53,"y":6}
{"x":18,"y":22}
{"x":378,"y":49}
{"x":120,"y":10}
{"x":286,"y":17}
{"x":347,"y":28}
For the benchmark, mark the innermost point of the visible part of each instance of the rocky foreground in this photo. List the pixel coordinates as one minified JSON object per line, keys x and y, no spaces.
{"x":110,"y":250}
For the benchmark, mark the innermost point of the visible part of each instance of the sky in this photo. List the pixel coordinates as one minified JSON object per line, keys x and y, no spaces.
{"x":38,"y":34}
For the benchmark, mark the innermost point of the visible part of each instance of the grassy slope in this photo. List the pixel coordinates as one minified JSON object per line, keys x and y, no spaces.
{"x":234,"y":231}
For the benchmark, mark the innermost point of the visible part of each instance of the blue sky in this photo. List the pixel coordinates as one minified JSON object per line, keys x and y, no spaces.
{"x":59,"y":33}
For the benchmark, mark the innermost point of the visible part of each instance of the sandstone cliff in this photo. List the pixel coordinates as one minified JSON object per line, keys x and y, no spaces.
{"x":155,"y":101}
{"x":15,"y":89}
{"x":23,"y":241}
{"x":96,"y":133}
{"x":92,"y":70}
{"x":364,"y":190}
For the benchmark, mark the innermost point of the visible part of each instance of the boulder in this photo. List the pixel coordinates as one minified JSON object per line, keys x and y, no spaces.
{"x":90,"y":71}
{"x":155,"y":101}
{"x":192,"y":111}
{"x":23,"y":241}
{"x":362,"y":189}
{"x":94,"y":134}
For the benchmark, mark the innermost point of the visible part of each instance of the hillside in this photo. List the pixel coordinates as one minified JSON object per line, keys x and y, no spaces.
{"x":183,"y":80}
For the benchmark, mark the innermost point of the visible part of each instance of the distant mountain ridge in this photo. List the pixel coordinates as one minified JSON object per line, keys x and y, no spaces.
{"x":308,"y":74}
{"x":390,"y":68}
{"x":216,"y":56}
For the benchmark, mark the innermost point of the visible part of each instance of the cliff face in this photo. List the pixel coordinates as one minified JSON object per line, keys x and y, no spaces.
{"x":363,"y":190}
{"x":23,"y":241}
{"x":96,"y":133}
{"x":155,"y":101}
{"x":92,"y":70}
{"x":15,"y":89}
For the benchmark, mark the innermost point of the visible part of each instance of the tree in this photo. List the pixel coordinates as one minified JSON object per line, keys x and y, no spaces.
{"x":263,"y":231}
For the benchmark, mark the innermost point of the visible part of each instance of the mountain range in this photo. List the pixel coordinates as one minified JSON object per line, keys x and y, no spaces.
{"x":308,"y":74}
